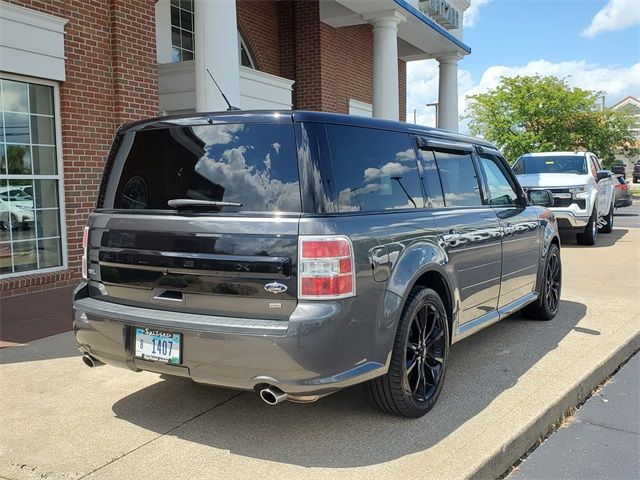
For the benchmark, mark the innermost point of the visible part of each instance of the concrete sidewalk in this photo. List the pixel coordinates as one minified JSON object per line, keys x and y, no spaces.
{"x":505,"y":386}
{"x":602,"y":439}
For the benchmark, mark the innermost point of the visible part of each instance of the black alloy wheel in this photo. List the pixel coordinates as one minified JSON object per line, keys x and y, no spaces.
{"x":552,"y":282}
{"x":424,"y":363}
{"x":546,"y":306}
{"x":416,"y":373}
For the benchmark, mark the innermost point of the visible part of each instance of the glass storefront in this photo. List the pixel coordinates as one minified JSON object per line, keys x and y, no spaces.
{"x":30,"y":214}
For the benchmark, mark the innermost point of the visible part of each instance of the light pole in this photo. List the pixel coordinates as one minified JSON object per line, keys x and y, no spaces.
{"x":436,"y":105}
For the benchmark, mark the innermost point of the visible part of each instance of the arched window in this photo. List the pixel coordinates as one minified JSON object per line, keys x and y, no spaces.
{"x":246,"y":59}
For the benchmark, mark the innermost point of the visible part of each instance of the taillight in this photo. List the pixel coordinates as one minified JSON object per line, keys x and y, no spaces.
{"x":326,"y":268}
{"x":85,"y":252}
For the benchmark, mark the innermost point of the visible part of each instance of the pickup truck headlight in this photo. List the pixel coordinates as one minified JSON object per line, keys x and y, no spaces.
{"x":579,"y":192}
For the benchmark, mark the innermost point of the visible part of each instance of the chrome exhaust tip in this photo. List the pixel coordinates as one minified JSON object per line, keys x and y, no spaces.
{"x":273,"y":395}
{"x":88,"y":361}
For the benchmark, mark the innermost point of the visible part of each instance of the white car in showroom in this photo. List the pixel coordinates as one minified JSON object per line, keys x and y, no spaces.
{"x":13,"y":216}
{"x":583,"y":194}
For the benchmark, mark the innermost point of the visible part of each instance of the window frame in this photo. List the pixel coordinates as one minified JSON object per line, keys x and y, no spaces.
{"x":334,"y":193}
{"x":242,"y":43}
{"x":59,"y":177}
{"x":433,"y":144}
{"x":508,"y":173}
{"x":180,"y":48}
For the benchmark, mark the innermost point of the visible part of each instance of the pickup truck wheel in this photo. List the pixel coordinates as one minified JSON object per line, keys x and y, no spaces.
{"x":607,"y":227}
{"x":416,"y":373}
{"x":546,"y":307}
{"x":590,"y":234}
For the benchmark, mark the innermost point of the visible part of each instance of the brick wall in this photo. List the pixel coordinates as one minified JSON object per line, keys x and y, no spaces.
{"x":258,"y":22}
{"x":329,"y":65}
{"x":111,"y":78}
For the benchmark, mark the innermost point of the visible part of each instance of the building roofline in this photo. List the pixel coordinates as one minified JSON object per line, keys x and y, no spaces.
{"x":430,"y":23}
{"x":627,"y":99}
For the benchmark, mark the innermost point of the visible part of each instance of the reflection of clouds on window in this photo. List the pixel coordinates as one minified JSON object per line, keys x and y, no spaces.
{"x":391,"y":169}
{"x":253,"y":187}
{"x":373,"y":169}
{"x":276,"y":146}
{"x":407,"y":155}
{"x":218,"y":134}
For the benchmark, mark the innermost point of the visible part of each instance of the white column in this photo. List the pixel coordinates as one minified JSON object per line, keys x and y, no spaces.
{"x":216,"y":44}
{"x":163,"y":31}
{"x":448,"y":93}
{"x":386,"y":100}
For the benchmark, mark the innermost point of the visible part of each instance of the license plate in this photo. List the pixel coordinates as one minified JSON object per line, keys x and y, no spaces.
{"x":152,"y":344}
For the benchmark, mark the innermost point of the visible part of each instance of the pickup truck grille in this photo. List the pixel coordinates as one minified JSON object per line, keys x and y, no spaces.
{"x":563,"y":198}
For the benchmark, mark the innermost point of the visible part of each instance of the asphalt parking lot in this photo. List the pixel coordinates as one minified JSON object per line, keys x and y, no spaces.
{"x":628,"y":217}
{"x":504,"y":388}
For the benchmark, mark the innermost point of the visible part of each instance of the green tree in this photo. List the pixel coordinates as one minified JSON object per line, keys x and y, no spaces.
{"x":536,"y":114}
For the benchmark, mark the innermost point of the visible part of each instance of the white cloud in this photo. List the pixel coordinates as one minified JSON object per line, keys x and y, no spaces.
{"x":615,"y":15}
{"x":472,"y":14}
{"x":422,"y":82}
{"x":616,"y":81}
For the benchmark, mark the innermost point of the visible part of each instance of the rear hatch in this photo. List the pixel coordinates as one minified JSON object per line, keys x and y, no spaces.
{"x":235,"y":255}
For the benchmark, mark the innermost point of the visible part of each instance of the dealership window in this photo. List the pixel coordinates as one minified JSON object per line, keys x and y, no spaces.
{"x":31,"y":236}
{"x":182,"y":29}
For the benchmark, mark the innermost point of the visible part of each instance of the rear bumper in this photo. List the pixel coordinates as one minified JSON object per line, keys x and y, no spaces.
{"x":319,"y":350}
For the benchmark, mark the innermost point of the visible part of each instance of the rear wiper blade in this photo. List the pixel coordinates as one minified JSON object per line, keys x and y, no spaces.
{"x":189,"y":202}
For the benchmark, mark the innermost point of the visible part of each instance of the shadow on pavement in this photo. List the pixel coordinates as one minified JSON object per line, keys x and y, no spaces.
{"x":346,"y":429}
{"x":57,"y":346}
{"x":568,"y":239}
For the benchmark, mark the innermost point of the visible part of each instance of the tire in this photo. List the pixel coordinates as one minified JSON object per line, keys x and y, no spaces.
{"x":11,"y":223}
{"x":608,"y":225}
{"x":590,"y":234}
{"x":546,"y":307}
{"x":405,"y":389}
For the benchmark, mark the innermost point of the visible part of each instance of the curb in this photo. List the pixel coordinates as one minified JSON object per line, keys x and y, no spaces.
{"x":509,"y":453}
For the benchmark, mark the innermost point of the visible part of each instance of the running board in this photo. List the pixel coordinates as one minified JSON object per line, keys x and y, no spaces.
{"x":490,"y":318}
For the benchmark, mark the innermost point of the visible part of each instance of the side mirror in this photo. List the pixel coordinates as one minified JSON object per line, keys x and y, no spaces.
{"x":602,"y":174}
{"x":543,"y":198}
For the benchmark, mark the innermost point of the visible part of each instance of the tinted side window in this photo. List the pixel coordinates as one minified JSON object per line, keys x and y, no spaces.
{"x":431,"y":179}
{"x":459,"y":180}
{"x":251,"y":164}
{"x":373,"y":169}
{"x":501,"y":192}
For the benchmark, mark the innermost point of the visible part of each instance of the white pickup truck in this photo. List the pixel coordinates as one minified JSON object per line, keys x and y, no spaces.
{"x":583,"y":195}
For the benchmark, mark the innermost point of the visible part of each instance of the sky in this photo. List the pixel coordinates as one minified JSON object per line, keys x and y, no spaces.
{"x":594,"y":44}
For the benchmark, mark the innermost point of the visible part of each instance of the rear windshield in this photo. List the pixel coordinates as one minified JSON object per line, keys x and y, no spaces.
{"x":551,"y":164}
{"x":251,"y":164}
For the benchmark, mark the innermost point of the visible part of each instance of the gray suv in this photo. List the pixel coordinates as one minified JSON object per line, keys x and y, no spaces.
{"x":298,"y":253}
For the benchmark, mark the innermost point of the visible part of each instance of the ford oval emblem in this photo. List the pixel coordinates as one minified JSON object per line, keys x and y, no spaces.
{"x":275,"y":287}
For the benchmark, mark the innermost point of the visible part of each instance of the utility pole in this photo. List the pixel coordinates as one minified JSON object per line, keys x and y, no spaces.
{"x":437,"y":105}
